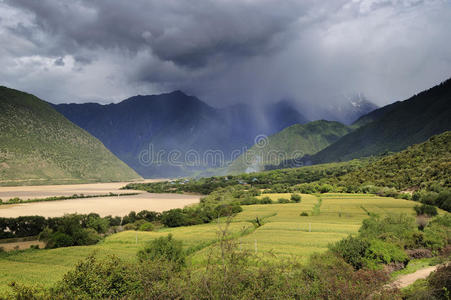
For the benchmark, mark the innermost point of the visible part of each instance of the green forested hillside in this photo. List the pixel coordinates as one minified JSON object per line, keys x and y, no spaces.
{"x":292,"y":142}
{"x":39,"y":145}
{"x":422,"y":166}
{"x":395,"y":127}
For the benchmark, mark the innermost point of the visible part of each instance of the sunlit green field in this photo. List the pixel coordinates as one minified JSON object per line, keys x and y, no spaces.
{"x":284,"y":233}
{"x":287,"y":233}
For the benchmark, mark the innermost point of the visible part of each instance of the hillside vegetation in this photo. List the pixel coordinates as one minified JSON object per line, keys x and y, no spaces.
{"x":292,"y":142}
{"x":38,"y":145}
{"x":395,"y":127}
{"x":422,"y":166}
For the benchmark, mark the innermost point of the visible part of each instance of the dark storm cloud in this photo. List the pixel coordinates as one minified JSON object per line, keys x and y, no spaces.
{"x":188,"y":33}
{"x":225,"y":50}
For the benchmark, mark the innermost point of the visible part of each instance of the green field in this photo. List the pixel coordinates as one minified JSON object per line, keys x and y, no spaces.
{"x":284,"y":233}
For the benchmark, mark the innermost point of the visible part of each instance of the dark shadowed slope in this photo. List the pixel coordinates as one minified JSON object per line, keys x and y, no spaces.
{"x":394,"y":127}
{"x":39,"y":145}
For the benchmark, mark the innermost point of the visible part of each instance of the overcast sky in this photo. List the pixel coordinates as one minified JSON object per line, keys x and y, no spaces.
{"x":224,"y":51}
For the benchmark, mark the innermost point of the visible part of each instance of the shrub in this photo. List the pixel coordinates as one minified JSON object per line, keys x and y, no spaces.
{"x":330,"y":277}
{"x":441,"y":199}
{"x":21,"y":226}
{"x":283,"y":200}
{"x":92,"y":278}
{"x":150,"y":216}
{"x":249,"y":200}
{"x":440,"y":282}
{"x":227,"y":210}
{"x":59,"y":239}
{"x":435,"y":236}
{"x":325,"y":188}
{"x":97,"y":223}
{"x":444,"y":200}
{"x":69,"y":232}
{"x":265,"y":200}
{"x":444,"y":220}
{"x":385,"y":253}
{"x":89,"y":237}
{"x":426,"y":209}
{"x":114,"y":221}
{"x":164,"y":248}
{"x":296,"y":198}
{"x":352,"y":250}
{"x":173,"y":218}
{"x":304,"y":214}
{"x":147,"y":226}
{"x":130,"y":226}
{"x":14,"y":200}
{"x":399,"y":228}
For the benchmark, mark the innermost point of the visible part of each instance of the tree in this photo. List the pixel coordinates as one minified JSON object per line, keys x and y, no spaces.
{"x":296,"y":198}
{"x":164,"y":248}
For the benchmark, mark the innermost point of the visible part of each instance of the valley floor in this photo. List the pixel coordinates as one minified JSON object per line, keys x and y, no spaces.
{"x":115,"y":206}
{"x":284,"y":233}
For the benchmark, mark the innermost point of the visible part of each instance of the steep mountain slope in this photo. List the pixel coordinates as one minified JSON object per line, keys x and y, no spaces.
{"x":375,"y":115}
{"x":139,"y":128}
{"x":419,"y":166}
{"x":39,"y":145}
{"x":394,"y":127}
{"x":290,"y":143}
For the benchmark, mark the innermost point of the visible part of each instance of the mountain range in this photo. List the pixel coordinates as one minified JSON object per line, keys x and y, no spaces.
{"x":175,"y":134}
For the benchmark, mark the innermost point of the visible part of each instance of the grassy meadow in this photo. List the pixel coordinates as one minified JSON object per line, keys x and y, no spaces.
{"x":283,"y":233}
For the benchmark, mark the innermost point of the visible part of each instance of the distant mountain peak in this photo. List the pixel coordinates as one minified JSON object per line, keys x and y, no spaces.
{"x":178,"y":93}
{"x":349,"y":109}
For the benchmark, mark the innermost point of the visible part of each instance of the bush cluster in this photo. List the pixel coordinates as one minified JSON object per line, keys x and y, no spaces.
{"x":384,"y":240}
{"x":426,"y":209}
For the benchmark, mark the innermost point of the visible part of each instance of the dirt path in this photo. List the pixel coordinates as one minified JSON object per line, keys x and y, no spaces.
{"x":406,"y":280}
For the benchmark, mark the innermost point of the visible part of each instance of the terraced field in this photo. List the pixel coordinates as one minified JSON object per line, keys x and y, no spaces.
{"x":288,"y":233}
{"x":284,"y":233}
